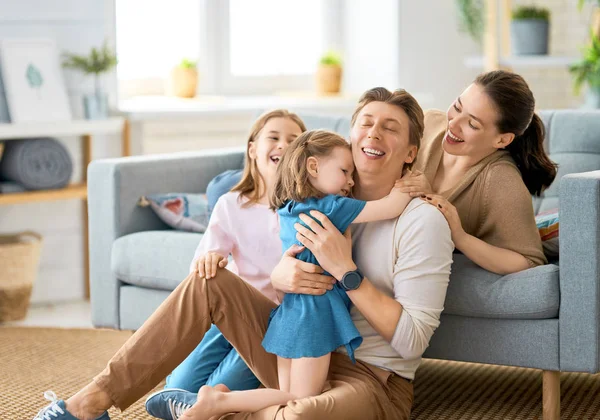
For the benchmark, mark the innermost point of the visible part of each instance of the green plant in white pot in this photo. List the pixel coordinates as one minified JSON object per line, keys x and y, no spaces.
{"x":587,"y":71}
{"x":529,"y":30}
{"x":99,"y":61}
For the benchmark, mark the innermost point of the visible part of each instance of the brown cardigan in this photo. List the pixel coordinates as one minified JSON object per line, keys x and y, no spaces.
{"x":492,"y":201}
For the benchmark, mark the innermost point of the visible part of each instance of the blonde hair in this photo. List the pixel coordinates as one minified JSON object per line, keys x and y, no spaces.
{"x":250,"y":185}
{"x":403,"y":100}
{"x":292,"y":181}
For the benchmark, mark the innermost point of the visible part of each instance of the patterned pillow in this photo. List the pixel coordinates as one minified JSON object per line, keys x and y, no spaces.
{"x":181,"y":211}
{"x":547,"y":224}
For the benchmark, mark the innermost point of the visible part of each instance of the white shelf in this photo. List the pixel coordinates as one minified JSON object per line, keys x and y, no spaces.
{"x":539,"y":61}
{"x":9,"y":131}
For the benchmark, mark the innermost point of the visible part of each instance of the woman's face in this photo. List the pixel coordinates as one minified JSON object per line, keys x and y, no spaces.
{"x":272,"y":140}
{"x":472,"y":129}
{"x":380,"y":141}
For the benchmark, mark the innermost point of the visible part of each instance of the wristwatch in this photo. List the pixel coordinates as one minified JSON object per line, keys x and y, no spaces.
{"x":352,"y":280}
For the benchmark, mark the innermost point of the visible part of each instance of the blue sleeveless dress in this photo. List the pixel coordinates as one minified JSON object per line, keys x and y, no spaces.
{"x":306,"y":325}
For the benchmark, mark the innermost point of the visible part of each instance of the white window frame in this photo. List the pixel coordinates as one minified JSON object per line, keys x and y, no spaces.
{"x":214,"y":57}
{"x":214,"y":63}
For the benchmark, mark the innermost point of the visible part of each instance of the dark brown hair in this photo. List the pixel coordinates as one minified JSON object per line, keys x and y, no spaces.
{"x":250,"y":185}
{"x":515,"y":104}
{"x":292,"y":181}
{"x":403,"y":100}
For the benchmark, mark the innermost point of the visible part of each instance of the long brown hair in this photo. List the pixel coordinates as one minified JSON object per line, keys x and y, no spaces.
{"x":403,"y":100}
{"x":250,"y":186}
{"x":516,"y":105}
{"x":292,"y":181}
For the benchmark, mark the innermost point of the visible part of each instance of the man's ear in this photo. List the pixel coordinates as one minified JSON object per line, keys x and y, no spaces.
{"x":312,"y":166}
{"x":504,"y":140}
{"x":252,"y":150}
{"x":412,"y":154}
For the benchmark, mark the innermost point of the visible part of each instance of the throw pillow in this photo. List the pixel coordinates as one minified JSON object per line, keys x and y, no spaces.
{"x":220,"y":185}
{"x":547,"y":224}
{"x":188,"y":212}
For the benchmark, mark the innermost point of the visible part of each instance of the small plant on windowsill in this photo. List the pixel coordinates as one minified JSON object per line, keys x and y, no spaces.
{"x":98,"y":62}
{"x":587,"y":71}
{"x":329,"y":73}
{"x":183,"y":80}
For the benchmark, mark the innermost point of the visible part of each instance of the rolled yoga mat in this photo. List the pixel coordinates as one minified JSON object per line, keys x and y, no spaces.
{"x":36,"y":164}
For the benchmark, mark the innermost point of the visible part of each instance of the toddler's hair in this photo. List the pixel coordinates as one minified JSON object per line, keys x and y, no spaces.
{"x":292,"y":182}
{"x":250,"y":185}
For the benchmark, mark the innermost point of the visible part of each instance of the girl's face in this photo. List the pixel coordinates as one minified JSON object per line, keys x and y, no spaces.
{"x":472,"y":129}
{"x":332,"y":174}
{"x":268,"y":146}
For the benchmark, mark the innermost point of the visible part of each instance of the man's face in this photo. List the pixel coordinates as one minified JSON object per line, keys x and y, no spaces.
{"x":380,"y":144}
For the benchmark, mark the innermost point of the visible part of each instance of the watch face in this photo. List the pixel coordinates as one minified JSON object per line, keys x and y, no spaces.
{"x":352,"y":280}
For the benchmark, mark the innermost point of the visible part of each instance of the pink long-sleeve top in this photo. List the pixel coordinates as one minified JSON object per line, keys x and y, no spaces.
{"x":250,"y":235}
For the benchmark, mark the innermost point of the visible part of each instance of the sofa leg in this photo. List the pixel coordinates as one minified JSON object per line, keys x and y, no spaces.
{"x":551,"y":395}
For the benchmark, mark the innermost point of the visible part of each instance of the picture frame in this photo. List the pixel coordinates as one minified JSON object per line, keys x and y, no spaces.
{"x":33,"y":81}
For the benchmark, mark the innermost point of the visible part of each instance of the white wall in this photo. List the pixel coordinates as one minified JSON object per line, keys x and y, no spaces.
{"x":76,"y":26}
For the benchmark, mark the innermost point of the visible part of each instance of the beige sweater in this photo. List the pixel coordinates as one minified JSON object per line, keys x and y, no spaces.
{"x":492,"y":201}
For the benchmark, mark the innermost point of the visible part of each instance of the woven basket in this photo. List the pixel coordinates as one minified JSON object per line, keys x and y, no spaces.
{"x":19,"y":259}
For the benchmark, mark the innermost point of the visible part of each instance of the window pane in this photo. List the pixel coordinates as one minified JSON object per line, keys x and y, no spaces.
{"x":153,"y":36}
{"x":275,"y":37}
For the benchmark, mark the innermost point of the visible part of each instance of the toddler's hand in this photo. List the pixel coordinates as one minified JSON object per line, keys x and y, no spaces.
{"x":415,"y":184}
{"x":207,"y":264}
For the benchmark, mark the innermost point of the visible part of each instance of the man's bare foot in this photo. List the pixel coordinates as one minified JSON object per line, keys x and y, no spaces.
{"x":207,"y":405}
{"x":89,"y":403}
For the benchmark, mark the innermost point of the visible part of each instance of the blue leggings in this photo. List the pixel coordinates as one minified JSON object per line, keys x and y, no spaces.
{"x":213,"y":362}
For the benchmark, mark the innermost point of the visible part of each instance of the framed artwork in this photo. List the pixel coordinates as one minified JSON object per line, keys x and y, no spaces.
{"x":33,"y":82}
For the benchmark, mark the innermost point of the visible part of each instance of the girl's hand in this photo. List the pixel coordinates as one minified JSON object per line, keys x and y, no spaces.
{"x":450,"y":213}
{"x":207,"y":264}
{"x":292,"y":275}
{"x":332,"y":249}
{"x":415,"y":184}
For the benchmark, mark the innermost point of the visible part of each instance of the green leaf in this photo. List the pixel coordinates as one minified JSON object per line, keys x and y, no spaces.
{"x":34,"y":77}
{"x":98,"y":61}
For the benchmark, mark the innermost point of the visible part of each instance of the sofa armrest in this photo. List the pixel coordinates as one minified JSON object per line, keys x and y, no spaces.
{"x":579,"y":315}
{"x":114,"y":187}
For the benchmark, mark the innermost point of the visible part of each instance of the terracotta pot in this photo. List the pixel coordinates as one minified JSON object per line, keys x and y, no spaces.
{"x":183,"y":82}
{"x":329,"y":79}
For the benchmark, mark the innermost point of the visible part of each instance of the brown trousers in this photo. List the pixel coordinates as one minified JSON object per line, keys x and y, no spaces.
{"x":355,"y":391}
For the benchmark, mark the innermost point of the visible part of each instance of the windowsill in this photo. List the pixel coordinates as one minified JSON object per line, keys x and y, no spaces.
{"x":159,"y":107}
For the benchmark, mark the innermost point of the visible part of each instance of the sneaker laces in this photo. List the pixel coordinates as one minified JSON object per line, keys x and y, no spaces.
{"x":51,"y":410}
{"x":177,"y":408}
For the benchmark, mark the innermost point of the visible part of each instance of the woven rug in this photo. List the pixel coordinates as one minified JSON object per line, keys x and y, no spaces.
{"x":33,"y":360}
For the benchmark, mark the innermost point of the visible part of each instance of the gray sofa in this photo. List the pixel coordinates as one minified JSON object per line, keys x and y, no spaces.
{"x":546,"y":317}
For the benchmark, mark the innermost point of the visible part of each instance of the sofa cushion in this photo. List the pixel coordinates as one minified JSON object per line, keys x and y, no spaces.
{"x":529,"y":294}
{"x":154,"y":259}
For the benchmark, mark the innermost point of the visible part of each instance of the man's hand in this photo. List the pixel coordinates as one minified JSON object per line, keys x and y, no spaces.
{"x":207,"y":264}
{"x":294,"y":276}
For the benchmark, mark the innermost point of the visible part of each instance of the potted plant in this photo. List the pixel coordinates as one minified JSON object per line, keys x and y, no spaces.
{"x":183,"y":81}
{"x":470,"y":18}
{"x":329,"y":74}
{"x":99,"y":61}
{"x":529,"y":30}
{"x":587,"y":71}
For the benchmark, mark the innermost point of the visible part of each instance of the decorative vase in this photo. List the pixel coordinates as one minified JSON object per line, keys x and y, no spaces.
{"x":329,"y":79}
{"x":183,"y":82}
{"x":592,"y":98}
{"x":529,"y":36}
{"x":95,"y":106}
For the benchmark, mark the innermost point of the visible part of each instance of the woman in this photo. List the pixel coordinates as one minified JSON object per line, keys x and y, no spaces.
{"x":481,"y":162}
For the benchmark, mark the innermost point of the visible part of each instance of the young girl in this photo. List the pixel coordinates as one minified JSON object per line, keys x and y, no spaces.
{"x":241,"y":225}
{"x":315,"y":173}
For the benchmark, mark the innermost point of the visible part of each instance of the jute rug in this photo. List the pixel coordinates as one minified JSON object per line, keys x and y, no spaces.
{"x":33,"y":360}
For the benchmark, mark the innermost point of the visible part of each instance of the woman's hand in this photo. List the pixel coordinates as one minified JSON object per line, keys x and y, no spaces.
{"x":415,"y":184}
{"x":207,"y":264}
{"x":332,"y":249}
{"x":451,"y":215}
{"x":291,"y":275}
